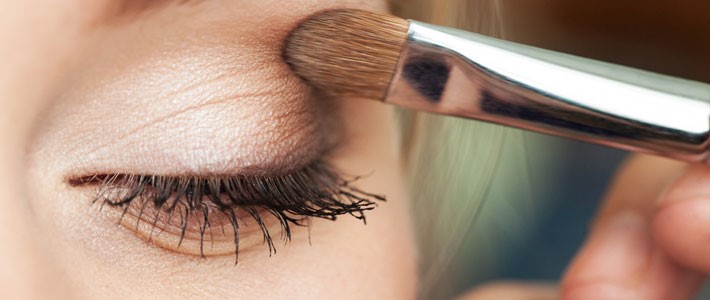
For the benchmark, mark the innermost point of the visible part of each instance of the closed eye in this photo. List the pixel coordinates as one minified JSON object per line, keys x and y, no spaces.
{"x":181,"y":205}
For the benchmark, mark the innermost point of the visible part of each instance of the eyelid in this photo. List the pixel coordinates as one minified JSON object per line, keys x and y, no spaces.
{"x":189,"y":110}
{"x":314,"y":191}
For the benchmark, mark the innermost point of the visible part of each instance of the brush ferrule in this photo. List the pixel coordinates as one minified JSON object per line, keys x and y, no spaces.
{"x":452,"y":72}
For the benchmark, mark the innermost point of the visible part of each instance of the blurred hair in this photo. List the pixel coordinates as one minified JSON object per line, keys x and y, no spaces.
{"x":450,"y":162}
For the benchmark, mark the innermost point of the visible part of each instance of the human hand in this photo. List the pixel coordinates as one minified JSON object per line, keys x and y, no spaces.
{"x":649,"y":241}
{"x":651,"y":237}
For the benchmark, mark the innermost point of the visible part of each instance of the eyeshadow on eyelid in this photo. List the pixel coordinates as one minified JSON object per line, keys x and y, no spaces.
{"x":197,"y":108}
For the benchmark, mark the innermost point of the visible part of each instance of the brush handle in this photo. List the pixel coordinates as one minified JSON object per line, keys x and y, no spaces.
{"x":458,"y":73}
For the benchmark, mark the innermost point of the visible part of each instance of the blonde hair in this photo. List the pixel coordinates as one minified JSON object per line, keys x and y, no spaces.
{"x":451,"y":162}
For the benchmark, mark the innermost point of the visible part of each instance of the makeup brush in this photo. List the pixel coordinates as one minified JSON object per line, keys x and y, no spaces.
{"x":414,"y":65}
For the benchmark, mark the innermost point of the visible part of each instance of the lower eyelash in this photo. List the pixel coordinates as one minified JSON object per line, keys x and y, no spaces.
{"x":314,"y":191}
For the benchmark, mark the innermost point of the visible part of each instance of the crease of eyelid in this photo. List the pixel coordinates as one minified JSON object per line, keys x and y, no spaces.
{"x":291,"y":132}
{"x":179,"y":112}
{"x":283,"y":134}
{"x":231,"y":74}
{"x":121,"y":11}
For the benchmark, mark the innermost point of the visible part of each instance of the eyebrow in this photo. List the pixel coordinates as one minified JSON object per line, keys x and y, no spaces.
{"x":118,"y":11}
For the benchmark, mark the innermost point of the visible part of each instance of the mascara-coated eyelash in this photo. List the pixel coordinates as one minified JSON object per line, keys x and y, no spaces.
{"x":314,"y":191}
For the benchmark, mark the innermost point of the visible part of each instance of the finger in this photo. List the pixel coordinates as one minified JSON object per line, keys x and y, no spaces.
{"x":619,"y":260}
{"x":512,"y":291}
{"x":681,"y":226}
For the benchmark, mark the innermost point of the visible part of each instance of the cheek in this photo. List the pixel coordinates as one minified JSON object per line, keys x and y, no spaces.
{"x":336,"y":260}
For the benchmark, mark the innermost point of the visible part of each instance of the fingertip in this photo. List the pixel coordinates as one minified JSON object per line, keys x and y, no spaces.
{"x":682,"y":230}
{"x":681,"y":222}
{"x":620,"y":261}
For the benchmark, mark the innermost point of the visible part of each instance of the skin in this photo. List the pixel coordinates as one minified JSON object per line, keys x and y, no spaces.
{"x":90,"y":89}
{"x":650,"y":237}
{"x":183,"y":89}
{"x":649,"y":240}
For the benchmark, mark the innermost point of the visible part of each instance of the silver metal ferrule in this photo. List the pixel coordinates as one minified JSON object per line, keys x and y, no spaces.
{"x":458,"y":73}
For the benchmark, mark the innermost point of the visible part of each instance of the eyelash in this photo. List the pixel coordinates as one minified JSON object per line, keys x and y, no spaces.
{"x":314,"y":191}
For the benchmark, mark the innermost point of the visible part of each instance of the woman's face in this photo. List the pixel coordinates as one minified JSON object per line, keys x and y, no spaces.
{"x":104,"y":100}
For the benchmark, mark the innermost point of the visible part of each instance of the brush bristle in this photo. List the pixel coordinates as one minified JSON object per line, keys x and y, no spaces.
{"x":347,"y":52}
